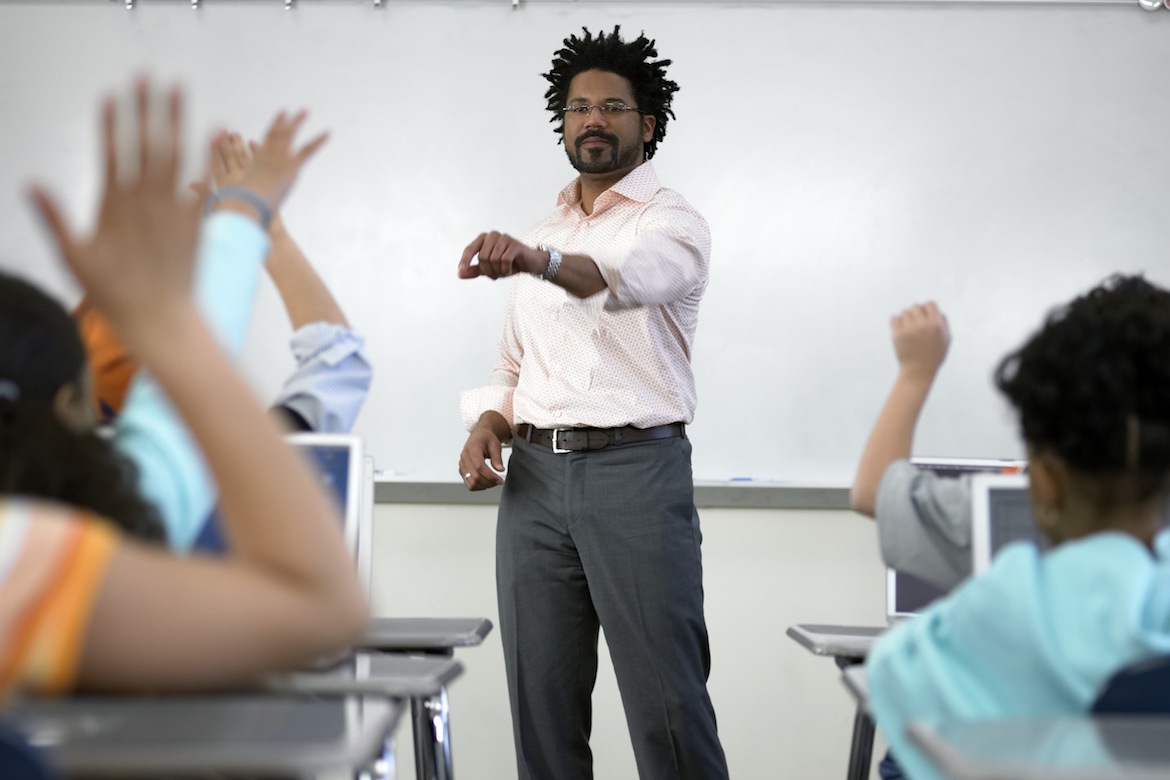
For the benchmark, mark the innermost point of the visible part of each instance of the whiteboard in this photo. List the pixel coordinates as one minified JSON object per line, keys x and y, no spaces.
{"x":851,"y":159}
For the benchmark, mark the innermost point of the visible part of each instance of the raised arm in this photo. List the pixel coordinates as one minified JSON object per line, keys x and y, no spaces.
{"x":921,"y":338}
{"x":306,"y":298}
{"x":327,"y":389}
{"x":289,"y":593}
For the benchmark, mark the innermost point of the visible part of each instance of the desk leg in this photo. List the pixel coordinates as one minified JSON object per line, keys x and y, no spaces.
{"x":861,"y":749}
{"x":385,"y":766}
{"x":432,"y":738}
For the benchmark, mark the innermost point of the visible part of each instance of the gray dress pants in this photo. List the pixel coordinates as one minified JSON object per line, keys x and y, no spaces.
{"x":606,"y":538}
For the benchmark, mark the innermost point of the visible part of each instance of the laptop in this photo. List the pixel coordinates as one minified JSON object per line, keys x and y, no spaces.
{"x":1001,"y":513}
{"x":341,"y":463}
{"x":339,"y":460}
{"x":907,"y":595}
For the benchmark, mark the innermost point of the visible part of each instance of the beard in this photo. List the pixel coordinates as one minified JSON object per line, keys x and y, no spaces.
{"x":602,"y":159}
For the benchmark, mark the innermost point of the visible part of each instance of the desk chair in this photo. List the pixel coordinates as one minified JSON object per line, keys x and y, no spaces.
{"x":410,"y":678}
{"x":848,"y":646}
{"x":19,"y":760}
{"x":1141,"y":688}
{"x":1123,"y":737}
{"x":430,"y":714}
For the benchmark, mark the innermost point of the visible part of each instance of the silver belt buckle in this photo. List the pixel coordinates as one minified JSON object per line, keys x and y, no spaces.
{"x":556,"y":446}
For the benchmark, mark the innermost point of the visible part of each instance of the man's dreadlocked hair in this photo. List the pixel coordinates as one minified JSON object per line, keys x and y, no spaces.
{"x":632,"y":61}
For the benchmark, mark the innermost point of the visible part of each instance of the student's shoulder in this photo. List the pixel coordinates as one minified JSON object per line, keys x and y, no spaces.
{"x":905,"y":489}
{"x":28,"y":521}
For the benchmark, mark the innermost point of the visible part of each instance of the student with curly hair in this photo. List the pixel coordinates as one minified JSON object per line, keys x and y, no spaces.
{"x":1040,"y":633}
{"x":593,"y":388}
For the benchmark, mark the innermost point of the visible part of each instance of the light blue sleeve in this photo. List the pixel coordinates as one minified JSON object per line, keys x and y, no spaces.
{"x":332,"y":378}
{"x":172,"y":474}
{"x":1037,"y":635}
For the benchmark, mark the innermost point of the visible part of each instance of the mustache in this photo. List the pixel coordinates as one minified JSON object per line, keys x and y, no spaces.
{"x":607,"y":137}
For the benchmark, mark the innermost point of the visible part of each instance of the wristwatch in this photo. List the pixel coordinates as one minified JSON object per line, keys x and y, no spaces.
{"x":554,"y":262}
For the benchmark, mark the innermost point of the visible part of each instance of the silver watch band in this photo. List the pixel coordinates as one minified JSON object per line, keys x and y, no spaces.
{"x":554,"y":262}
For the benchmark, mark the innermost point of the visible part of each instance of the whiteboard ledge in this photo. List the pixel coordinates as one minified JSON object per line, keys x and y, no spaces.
{"x":707,"y":495}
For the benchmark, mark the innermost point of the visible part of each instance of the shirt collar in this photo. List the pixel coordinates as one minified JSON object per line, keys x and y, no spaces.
{"x":640,"y":185}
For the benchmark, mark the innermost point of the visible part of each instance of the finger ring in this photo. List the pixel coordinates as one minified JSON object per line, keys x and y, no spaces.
{"x":467,"y":475}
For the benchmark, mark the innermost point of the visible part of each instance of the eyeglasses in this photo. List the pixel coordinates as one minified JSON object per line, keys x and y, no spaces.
{"x":606,"y":109}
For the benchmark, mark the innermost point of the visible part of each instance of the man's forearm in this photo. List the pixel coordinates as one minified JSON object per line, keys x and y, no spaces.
{"x":579,"y":276}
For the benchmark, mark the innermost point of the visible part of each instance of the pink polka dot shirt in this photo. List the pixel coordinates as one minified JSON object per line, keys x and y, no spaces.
{"x":622,"y":356}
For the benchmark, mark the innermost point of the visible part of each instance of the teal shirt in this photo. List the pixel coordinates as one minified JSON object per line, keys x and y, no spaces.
{"x":172,"y":473}
{"x":1038,"y":634}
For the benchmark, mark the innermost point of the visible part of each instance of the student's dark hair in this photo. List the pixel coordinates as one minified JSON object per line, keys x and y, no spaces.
{"x":633,"y":61}
{"x":1093,"y":387}
{"x":40,"y":352}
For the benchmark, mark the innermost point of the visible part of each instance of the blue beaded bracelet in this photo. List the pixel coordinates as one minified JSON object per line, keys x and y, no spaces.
{"x":244,"y":194}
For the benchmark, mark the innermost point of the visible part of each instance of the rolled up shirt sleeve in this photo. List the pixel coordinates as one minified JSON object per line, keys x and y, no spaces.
{"x":331,"y":380}
{"x":668,"y":261}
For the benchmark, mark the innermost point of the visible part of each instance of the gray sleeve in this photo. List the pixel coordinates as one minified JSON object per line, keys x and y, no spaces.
{"x":924,"y":524}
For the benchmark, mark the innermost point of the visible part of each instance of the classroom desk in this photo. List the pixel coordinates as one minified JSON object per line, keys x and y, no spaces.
{"x":432,"y":636}
{"x":394,"y":676}
{"x":227,"y":736}
{"x":1066,"y":748}
{"x":848,"y":646}
{"x":430,"y":714}
{"x":419,"y":679}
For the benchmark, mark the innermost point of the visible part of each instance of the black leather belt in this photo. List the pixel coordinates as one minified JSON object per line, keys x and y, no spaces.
{"x":585,"y":439}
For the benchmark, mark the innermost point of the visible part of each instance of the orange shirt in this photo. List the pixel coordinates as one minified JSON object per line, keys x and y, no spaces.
{"x":110,"y":364}
{"x":53,"y":559}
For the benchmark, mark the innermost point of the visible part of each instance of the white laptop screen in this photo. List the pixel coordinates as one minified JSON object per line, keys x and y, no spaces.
{"x":907,"y":595}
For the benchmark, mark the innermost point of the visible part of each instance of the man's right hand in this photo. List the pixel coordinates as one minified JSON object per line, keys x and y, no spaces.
{"x":484,"y":446}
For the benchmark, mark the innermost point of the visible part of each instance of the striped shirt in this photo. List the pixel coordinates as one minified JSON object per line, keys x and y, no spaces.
{"x":53,"y":560}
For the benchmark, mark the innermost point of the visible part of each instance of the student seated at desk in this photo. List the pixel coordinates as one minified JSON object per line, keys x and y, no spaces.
{"x":86,"y":607}
{"x":923,"y":520}
{"x":332,"y":377}
{"x":1040,"y":633}
{"x":42,"y":365}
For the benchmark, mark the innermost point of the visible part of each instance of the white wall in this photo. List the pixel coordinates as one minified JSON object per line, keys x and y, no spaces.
{"x":782,"y":711}
{"x":851,"y":158}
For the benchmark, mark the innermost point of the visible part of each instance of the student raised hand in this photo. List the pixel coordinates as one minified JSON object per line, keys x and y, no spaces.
{"x":137,"y":264}
{"x":270,"y":168}
{"x":921,"y":338}
{"x":227,"y":161}
{"x":289,"y":593}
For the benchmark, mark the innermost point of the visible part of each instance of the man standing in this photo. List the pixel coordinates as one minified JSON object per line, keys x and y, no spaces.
{"x":597,"y":523}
